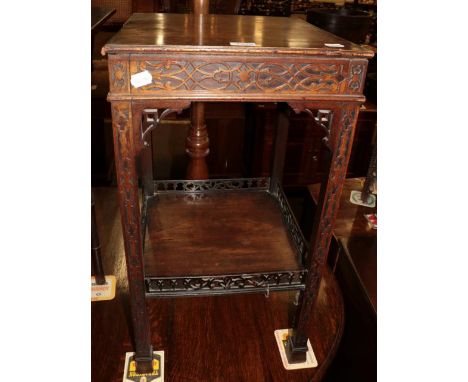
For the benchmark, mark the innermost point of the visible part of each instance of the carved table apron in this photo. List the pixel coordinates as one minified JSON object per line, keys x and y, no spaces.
{"x":288,"y":62}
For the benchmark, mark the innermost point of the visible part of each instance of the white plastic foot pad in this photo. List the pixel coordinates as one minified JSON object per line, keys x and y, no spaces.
{"x":130,"y":374}
{"x":103,"y":292}
{"x":281,"y":336}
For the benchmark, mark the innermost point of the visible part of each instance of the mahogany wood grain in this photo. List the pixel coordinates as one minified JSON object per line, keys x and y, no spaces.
{"x":276,"y":35}
{"x":197,"y":143}
{"x":341,"y":138}
{"x":221,"y":233}
{"x":125,"y":163}
{"x":201,"y":7}
{"x":190,"y":59}
{"x":206,"y":339}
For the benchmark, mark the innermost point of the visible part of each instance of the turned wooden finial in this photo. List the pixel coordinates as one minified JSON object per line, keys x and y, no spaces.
{"x":201,"y":7}
{"x":197,"y":143}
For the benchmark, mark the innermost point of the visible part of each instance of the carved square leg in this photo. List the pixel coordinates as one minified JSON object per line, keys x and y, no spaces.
{"x":339,"y":144}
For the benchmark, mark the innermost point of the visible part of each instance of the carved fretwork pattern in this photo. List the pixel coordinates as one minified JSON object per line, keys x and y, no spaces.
{"x":199,"y":186}
{"x":293,"y":228}
{"x":225,"y":283}
{"x":328,"y":213}
{"x":129,"y":209}
{"x":241,"y":77}
{"x":119,"y":76}
{"x":357,"y":72}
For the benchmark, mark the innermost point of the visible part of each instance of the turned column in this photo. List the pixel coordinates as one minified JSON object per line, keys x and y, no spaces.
{"x":197,"y":143}
{"x":201,"y":7}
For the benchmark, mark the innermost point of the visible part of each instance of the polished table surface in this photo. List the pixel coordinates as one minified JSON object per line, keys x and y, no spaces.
{"x":275,"y":34}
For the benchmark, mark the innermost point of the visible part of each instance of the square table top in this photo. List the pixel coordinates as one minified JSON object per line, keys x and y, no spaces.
{"x":157,"y":32}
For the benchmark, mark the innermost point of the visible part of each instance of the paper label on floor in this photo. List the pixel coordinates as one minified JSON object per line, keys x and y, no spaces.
{"x":281,"y":336}
{"x":130,"y":374}
{"x":355,"y":198}
{"x":103,"y":292}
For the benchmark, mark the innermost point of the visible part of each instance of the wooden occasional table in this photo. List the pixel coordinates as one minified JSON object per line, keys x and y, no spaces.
{"x":202,"y":237}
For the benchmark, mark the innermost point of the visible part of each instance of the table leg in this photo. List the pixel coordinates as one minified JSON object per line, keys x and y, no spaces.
{"x":127,"y":180}
{"x":342,"y":132}
{"x":279,"y":151}
{"x":96,"y":260}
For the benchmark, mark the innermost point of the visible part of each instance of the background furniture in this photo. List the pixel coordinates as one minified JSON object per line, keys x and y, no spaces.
{"x":353,"y":259}
{"x":98,"y":17}
{"x":196,"y":220}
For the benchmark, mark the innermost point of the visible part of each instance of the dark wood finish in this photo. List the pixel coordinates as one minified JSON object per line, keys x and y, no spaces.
{"x":266,"y":7}
{"x":146,"y":156}
{"x":281,"y":138}
{"x":99,"y":15}
{"x":305,"y":161}
{"x":223,"y":237}
{"x":186,"y":6}
{"x":341,"y":141}
{"x":191,"y":60}
{"x":227,"y":232}
{"x":201,"y":7}
{"x":198,"y":143}
{"x":125,"y":163}
{"x":277,"y":36}
{"x":371,"y":177}
{"x":123,"y":10}
{"x":205,"y":339}
{"x":96,"y":261}
{"x":197,"y":140}
{"x":357,"y":239}
{"x":353,"y":256}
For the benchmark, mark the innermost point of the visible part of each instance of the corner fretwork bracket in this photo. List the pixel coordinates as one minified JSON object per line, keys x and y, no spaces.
{"x":151,"y":119}
{"x":323,"y":118}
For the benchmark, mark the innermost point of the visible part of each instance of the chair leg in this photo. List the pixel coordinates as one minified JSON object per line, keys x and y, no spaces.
{"x":96,"y":260}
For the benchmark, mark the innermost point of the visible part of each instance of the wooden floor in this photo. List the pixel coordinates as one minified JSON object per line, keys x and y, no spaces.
{"x":206,"y":339}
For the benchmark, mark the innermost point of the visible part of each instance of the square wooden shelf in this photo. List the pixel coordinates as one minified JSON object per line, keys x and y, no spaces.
{"x":220,"y":236}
